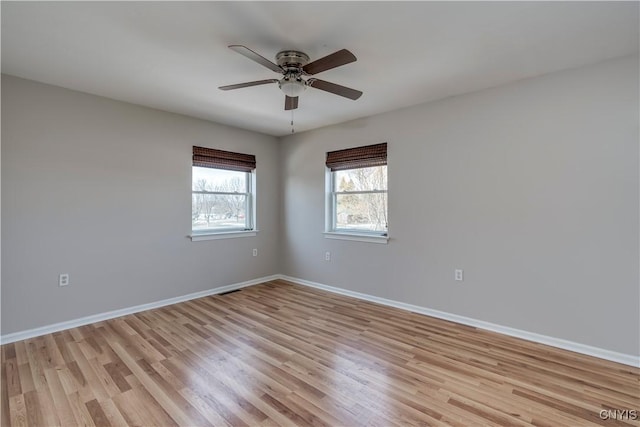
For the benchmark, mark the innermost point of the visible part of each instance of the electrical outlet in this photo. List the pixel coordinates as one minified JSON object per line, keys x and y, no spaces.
{"x":63,"y":279}
{"x":255,"y":252}
{"x":459,"y":275}
{"x":327,"y":256}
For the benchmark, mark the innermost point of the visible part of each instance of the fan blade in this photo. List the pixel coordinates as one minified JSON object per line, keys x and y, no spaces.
{"x":347,"y":92}
{"x":334,"y":60}
{"x":290,"y":103}
{"x":248,"y":84}
{"x":245,"y":51}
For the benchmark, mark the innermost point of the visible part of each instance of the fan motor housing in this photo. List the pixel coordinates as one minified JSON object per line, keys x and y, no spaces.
{"x":292,"y":59}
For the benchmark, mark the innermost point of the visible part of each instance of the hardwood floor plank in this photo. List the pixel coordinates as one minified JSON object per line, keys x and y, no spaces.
{"x":132,"y":411}
{"x":67,"y":380}
{"x":12,"y":377}
{"x":33,"y":409}
{"x":283,"y":409}
{"x":152,"y":388}
{"x":50,"y":413}
{"x":61,"y":338}
{"x":37,"y":370}
{"x":112,"y":413}
{"x":97,"y":414}
{"x":209,"y":411}
{"x":279,"y":354}
{"x":91,"y":387}
{"x":21,"y":352}
{"x":231,"y":388}
{"x":60,"y":400}
{"x":117,"y":377}
{"x":205,"y":386}
{"x":5,"y":419}
{"x":7,"y":352}
{"x":57,"y":360}
{"x":17,"y":411}
{"x":105,"y":379}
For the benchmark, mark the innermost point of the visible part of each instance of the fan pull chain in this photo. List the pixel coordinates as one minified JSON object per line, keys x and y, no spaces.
{"x":292,"y":130}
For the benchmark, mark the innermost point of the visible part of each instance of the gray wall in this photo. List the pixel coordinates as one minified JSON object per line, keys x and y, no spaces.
{"x":100,"y":189}
{"x":531,"y":188}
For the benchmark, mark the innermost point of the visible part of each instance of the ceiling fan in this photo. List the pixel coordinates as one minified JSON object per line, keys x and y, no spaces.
{"x":293,"y":65}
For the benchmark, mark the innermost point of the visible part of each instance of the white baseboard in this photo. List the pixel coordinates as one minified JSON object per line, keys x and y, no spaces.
{"x":35,"y":332}
{"x":601,"y":353}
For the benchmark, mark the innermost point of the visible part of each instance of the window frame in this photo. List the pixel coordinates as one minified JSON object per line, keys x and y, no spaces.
{"x":212,"y":158}
{"x":331,"y":230}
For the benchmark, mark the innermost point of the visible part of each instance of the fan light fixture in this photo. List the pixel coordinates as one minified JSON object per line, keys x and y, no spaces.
{"x":292,"y":88}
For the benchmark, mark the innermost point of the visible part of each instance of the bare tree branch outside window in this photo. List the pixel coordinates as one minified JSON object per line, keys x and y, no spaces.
{"x":361,"y":199}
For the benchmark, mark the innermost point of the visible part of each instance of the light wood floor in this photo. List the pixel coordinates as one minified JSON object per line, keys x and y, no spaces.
{"x":282,"y":354}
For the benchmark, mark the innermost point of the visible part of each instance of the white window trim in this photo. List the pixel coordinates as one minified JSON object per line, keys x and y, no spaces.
{"x":197,"y":236}
{"x":329,"y":218}
{"x":354,"y":237}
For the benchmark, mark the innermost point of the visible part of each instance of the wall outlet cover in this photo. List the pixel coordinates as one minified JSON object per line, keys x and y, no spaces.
{"x":63,"y":279}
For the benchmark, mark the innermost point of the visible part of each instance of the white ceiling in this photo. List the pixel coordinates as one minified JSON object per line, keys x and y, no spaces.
{"x":173,"y":55}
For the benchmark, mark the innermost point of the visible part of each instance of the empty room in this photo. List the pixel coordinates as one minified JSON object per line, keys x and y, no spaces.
{"x":320,"y":214}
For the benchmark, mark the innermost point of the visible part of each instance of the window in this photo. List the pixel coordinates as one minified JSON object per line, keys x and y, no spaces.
{"x":222,"y":197}
{"x":357,"y":191}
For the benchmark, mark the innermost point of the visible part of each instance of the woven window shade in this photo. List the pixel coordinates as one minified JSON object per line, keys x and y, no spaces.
{"x":358,"y":157}
{"x":218,"y":159}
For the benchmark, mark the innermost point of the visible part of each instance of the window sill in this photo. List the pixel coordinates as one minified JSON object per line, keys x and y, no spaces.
{"x":368,"y":238}
{"x":222,"y":235}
